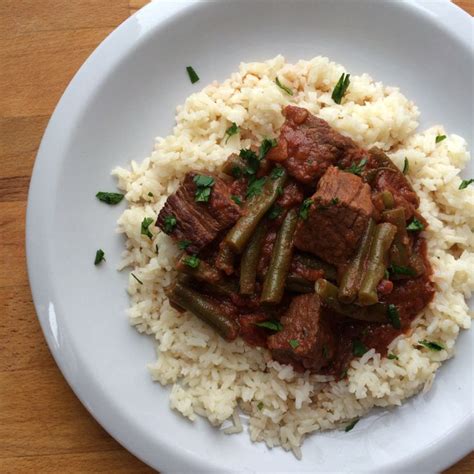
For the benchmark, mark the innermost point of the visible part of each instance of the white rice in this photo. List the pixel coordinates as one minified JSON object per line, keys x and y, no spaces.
{"x":215,"y":379}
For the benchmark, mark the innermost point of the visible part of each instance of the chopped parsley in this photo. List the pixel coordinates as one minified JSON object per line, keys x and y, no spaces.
{"x":191,"y":261}
{"x":169,"y":224}
{"x":109,"y":198}
{"x":400,"y":270}
{"x":236,"y":172}
{"x":415,"y":225}
{"x":351,"y":425}
{"x":203,"y":187}
{"x":232,"y":130}
{"x":236,"y":199}
{"x":406,"y":166}
{"x":358,"y":348}
{"x":282,"y":87}
{"x":279,"y":190}
{"x":394,"y":316}
{"x":304,"y":208}
{"x":465,"y":183}
{"x":273,"y":325}
{"x":150,"y":194}
{"x":357,"y":169}
{"x":293,"y":343}
{"x":266,"y":145}
{"x":341,"y":88}
{"x":136,"y":278}
{"x":334,"y":201}
{"x":193,"y":77}
{"x":146,"y":222}
{"x":255,"y":187}
{"x":183,"y":244}
{"x":440,"y":138}
{"x":253,"y":163}
{"x":275,"y":211}
{"x":277,"y":172}
{"x":260,"y":406}
{"x":392,"y":356}
{"x":99,"y":256}
{"x":432,"y":346}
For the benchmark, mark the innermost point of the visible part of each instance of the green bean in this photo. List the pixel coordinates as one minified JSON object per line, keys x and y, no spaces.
{"x":250,"y":259}
{"x":203,"y":271}
{"x":298,"y":284}
{"x":225,"y":259}
{"x":387,"y":198}
{"x":205,"y":309}
{"x":253,"y":212}
{"x":376,"y":263}
{"x":274,"y":283}
{"x":400,"y":250}
{"x":352,"y":277}
{"x":234,"y":166}
{"x":329,"y":296}
{"x":310,"y":261}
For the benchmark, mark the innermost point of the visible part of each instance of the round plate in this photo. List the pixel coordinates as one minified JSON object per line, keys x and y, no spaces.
{"x":126,"y":94}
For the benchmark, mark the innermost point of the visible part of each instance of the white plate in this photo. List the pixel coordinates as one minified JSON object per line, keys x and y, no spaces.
{"x":126,"y":94}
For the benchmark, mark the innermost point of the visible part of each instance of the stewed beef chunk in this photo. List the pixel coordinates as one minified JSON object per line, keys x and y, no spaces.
{"x":306,"y":340}
{"x":307,"y":146}
{"x":338,"y":215}
{"x":198,"y":222}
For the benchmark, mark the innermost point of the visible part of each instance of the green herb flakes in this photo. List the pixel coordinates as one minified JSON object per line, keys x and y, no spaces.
{"x":358,"y":348}
{"x":392,"y":356}
{"x":260,"y":406}
{"x":255,"y":187}
{"x":415,"y":225}
{"x":357,"y":169}
{"x":169,"y":224}
{"x":234,"y":129}
{"x":99,"y":257}
{"x":394,"y":316}
{"x":253,"y":163}
{"x":465,"y":183}
{"x":193,"y":77}
{"x":275,"y":211}
{"x":203,"y":187}
{"x":351,"y":425}
{"x":334,"y":201}
{"x":304,"y":208}
{"x":273,"y":325}
{"x":236,"y":199}
{"x":183,"y":244}
{"x":136,"y":278}
{"x":401,"y":270}
{"x":277,"y":172}
{"x":440,"y":138}
{"x":282,"y":87}
{"x":266,"y":145}
{"x":406,"y":166}
{"x":293,"y":343}
{"x":431,"y":345}
{"x":341,"y":88}
{"x":146,"y":222}
{"x":191,"y":261}
{"x":109,"y":198}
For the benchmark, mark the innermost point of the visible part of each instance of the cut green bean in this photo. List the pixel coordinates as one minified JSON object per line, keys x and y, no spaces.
{"x":253,"y":212}
{"x":205,"y":309}
{"x":328,"y":293}
{"x":298,"y":284}
{"x":274,"y":283}
{"x":203,"y":271}
{"x":225,"y":259}
{"x":249,"y":261}
{"x":310,"y":261}
{"x":400,"y":250}
{"x":377,"y":263}
{"x":352,"y":277}
{"x":388,"y":201}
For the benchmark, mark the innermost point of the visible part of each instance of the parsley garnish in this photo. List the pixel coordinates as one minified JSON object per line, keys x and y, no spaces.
{"x":277,"y":172}
{"x":341,"y":88}
{"x":400,"y":270}
{"x":236,"y":199}
{"x":255,"y":187}
{"x":232,"y":130}
{"x":432,"y":346}
{"x":253,"y":163}
{"x":236,"y":172}
{"x":357,"y":169}
{"x":203,"y":187}
{"x":465,"y":183}
{"x":351,"y":425}
{"x":392,"y":356}
{"x":191,"y":261}
{"x":334,"y":201}
{"x":136,"y":278}
{"x":145,"y":224}
{"x":406,"y":166}
{"x":440,"y":138}
{"x":293,"y":343}
{"x":415,"y":225}
{"x":169,"y":224}
{"x":193,"y":77}
{"x":279,"y":190}
{"x":304,"y":208}
{"x":109,"y":198}
{"x":99,"y":256}
{"x":275,"y":211}
{"x":358,"y":348}
{"x":266,"y":145}
{"x":150,"y":194}
{"x":281,"y":86}
{"x":394,"y":316}
{"x":273,"y":325}
{"x":183,"y":244}
{"x":260,"y":406}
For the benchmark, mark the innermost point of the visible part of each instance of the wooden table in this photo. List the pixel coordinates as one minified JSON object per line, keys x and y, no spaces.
{"x":43,"y":427}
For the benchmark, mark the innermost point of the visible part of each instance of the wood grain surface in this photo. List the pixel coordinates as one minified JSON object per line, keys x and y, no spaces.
{"x":43,"y":426}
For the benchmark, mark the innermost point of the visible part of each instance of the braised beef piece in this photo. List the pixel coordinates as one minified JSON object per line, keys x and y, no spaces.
{"x":337,"y":218}
{"x":307,"y":146}
{"x":306,"y":339}
{"x":198,"y":222}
